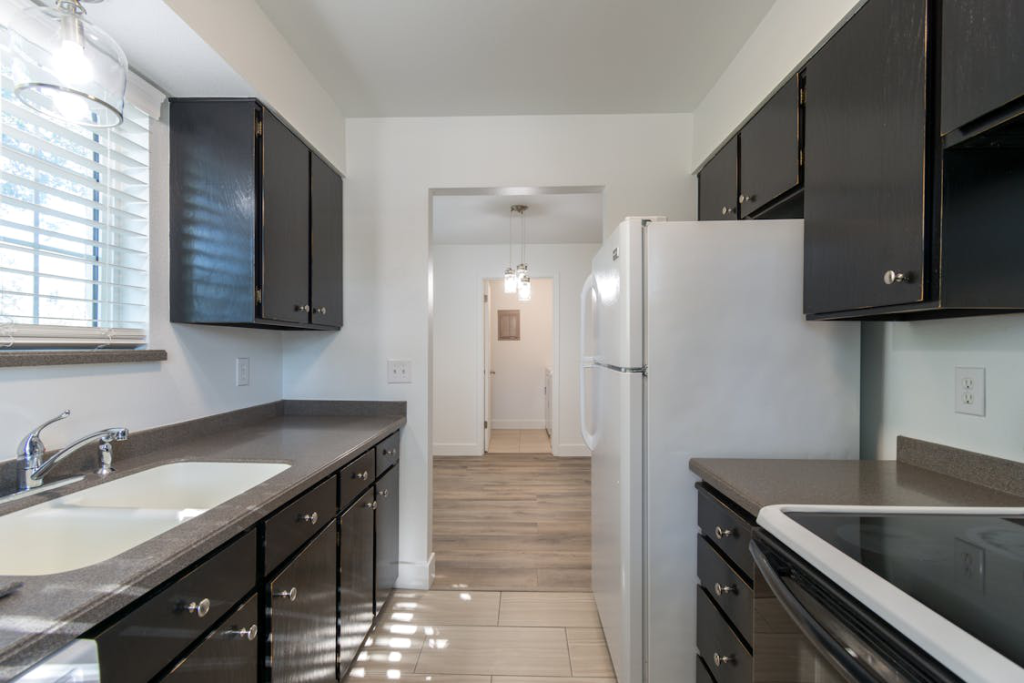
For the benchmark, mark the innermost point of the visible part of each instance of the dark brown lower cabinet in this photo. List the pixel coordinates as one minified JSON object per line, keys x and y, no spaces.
{"x":228,"y":655}
{"x":301,"y":612}
{"x":355,"y":584}
{"x":387,"y":538}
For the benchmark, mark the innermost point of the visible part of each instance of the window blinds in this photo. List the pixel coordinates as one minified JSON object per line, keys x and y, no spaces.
{"x":74,"y":229}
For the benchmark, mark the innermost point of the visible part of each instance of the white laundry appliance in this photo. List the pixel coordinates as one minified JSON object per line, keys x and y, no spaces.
{"x":694,"y":344}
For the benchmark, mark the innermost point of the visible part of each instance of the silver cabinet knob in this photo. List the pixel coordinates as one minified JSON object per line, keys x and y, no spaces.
{"x":892,"y":277}
{"x":322,"y":310}
{"x":372,"y":505}
{"x":724,"y":659}
{"x":291,"y":594}
{"x":361,"y":475}
{"x":721,"y":590}
{"x":385,"y":493}
{"x":244,"y":633}
{"x":726,"y":210}
{"x":744,"y":198}
{"x":721,"y":533}
{"x":200,"y":609}
{"x":303,"y":308}
{"x":311,"y":518}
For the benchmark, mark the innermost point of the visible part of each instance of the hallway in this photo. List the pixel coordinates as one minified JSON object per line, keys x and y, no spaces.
{"x":519,"y":441}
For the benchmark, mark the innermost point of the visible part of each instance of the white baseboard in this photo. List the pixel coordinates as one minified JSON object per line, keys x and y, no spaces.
{"x":416,"y":575}
{"x":517,"y":424}
{"x":572,"y":450}
{"x":456,"y":449}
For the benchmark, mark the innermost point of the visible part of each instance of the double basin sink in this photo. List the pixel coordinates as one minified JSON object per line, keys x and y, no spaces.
{"x":89,"y":526}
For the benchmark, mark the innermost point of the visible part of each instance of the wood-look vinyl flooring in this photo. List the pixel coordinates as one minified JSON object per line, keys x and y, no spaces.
{"x":512,"y":522}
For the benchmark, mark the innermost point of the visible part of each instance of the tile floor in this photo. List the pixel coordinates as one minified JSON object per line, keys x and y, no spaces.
{"x":519,"y":441}
{"x":486,"y":637}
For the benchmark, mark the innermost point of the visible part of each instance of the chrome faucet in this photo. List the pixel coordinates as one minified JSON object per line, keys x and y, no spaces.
{"x":31,"y":451}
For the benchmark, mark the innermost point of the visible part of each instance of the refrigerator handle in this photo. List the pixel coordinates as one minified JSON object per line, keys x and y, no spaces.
{"x":586,"y":361}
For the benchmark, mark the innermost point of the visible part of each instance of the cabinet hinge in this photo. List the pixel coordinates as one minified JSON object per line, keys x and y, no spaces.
{"x":259,"y":128}
{"x":485,"y":298}
{"x":803,"y":96}
{"x":485,"y":424}
{"x":259,"y":295}
{"x":801,"y":157}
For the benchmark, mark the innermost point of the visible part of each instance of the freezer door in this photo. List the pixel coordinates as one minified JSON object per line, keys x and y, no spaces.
{"x":617,"y":508}
{"x":618,"y":281}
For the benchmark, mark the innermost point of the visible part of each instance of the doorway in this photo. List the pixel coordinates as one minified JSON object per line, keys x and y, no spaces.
{"x":518,"y":370}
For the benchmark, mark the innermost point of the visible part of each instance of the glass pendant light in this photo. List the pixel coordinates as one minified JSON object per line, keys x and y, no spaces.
{"x":525,"y":290}
{"x":522,"y":271}
{"x":67,"y":68}
{"x":510,"y":272}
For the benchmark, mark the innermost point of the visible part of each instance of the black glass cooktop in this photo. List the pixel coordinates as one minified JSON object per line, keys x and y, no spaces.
{"x":968,"y":568}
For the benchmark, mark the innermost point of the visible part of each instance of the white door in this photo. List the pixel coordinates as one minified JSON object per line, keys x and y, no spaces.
{"x":488,"y":371}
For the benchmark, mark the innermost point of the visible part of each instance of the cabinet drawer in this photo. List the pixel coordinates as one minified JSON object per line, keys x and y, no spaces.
{"x":727,"y":588}
{"x":387,"y":453}
{"x":703,"y":675}
{"x":297,"y":522}
{"x":727,"y":658}
{"x":152,"y":635}
{"x":726,"y":529}
{"x":357,"y":476}
{"x":228,"y":655}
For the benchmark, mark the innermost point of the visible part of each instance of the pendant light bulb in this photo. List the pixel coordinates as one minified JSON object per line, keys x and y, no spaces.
{"x":510,"y":280}
{"x":525,"y":289}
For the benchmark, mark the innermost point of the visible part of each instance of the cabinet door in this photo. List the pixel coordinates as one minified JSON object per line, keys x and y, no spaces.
{"x":228,"y":655}
{"x":326,"y":244}
{"x":302,"y":609}
{"x":770,"y":150}
{"x":387,"y":537}
{"x":356,"y":581}
{"x":866,"y":161}
{"x":285,"y":233}
{"x":719,"y":185}
{"x":982,"y":58}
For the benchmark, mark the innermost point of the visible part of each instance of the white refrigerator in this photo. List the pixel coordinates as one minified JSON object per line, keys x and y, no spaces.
{"x":693,"y":344}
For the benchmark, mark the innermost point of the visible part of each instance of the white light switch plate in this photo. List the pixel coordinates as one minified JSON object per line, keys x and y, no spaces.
{"x":241,"y":372}
{"x":969,"y":396}
{"x":399,"y":371}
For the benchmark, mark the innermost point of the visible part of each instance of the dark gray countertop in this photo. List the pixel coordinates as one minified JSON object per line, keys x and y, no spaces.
{"x":49,"y":611}
{"x":754,"y":484}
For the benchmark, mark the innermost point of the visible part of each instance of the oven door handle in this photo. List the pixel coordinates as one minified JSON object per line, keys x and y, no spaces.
{"x":823,"y":641}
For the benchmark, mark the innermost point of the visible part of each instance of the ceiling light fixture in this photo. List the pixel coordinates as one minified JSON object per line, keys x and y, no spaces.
{"x":67,"y":68}
{"x":522,"y":270}
{"x":510,"y":272}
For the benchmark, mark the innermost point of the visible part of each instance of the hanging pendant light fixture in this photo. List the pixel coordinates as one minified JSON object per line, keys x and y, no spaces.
{"x":510,"y":272}
{"x":67,"y":68}
{"x":522,"y":270}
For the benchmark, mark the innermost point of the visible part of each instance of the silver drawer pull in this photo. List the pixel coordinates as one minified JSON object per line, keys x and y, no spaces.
{"x":724,"y":659}
{"x":721,"y":590}
{"x":311,"y":518}
{"x":200,"y":609}
{"x":361,"y":475}
{"x":244,"y":633}
{"x":372,"y":505}
{"x":721,"y":533}
{"x":291,"y":594}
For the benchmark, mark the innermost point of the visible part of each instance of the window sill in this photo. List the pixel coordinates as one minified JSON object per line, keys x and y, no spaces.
{"x":24,"y":359}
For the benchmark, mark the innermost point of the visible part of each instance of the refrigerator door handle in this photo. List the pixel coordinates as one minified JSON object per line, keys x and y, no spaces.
{"x":586,"y":361}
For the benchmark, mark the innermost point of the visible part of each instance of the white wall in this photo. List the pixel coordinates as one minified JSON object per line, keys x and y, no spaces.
{"x":242,"y":34}
{"x":198,"y":378}
{"x":908,"y":384}
{"x":642,"y":161}
{"x":458,"y":351}
{"x":789,"y":32}
{"x":519,"y":365}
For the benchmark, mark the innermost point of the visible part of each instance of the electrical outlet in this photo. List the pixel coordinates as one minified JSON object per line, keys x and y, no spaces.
{"x":241,"y":372}
{"x":399,"y":371}
{"x":969,"y":396}
{"x":969,"y":565}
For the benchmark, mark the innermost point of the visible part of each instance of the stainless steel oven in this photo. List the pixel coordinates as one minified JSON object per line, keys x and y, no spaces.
{"x":808,"y":630}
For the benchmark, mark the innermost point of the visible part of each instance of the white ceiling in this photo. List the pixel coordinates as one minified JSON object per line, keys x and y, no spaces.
{"x":510,"y":57}
{"x":573,"y":218}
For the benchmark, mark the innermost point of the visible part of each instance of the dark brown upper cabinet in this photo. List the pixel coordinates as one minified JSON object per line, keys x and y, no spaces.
{"x":256,"y":220}
{"x":982,"y":66}
{"x":718,"y":185}
{"x":770,"y":161}
{"x":869,"y":163}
